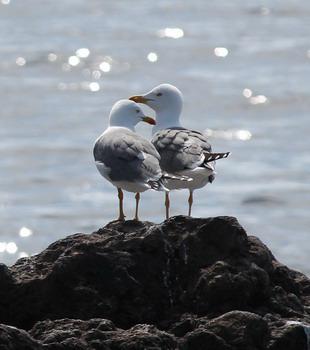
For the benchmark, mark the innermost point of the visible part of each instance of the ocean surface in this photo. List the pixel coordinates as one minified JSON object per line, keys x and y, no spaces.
{"x":244,"y":69}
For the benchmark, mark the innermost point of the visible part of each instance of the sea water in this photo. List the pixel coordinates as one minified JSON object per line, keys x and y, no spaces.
{"x":244,"y":69}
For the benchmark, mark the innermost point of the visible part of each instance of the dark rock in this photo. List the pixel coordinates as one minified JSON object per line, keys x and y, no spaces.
{"x":99,"y":334}
{"x":187,"y":323}
{"x":290,"y":336}
{"x":202,"y":339}
{"x":243,"y":330}
{"x":204,"y":281}
{"x":12,"y":338}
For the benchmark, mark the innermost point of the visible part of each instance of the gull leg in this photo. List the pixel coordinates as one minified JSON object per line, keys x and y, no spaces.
{"x":121,"y":211}
{"x":190,"y":202}
{"x":137,"y":196}
{"x":167,"y":204}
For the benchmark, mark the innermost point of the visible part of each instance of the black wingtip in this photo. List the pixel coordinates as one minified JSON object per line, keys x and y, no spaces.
{"x":211,"y":157}
{"x":158,"y":185}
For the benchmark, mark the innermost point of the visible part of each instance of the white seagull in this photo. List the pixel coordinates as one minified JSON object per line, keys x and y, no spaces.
{"x":126,"y":159}
{"x":183,"y":152}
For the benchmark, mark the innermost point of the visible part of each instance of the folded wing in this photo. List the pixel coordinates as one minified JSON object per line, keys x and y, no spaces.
{"x":181,"y":149}
{"x":128,"y":157}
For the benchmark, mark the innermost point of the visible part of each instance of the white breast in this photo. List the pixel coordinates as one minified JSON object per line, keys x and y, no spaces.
{"x":131,"y":186}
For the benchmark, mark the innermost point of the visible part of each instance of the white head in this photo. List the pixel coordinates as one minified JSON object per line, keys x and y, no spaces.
{"x":167,"y":102}
{"x":128,"y":114}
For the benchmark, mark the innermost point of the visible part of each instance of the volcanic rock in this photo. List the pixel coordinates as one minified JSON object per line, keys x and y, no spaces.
{"x":184,"y":284}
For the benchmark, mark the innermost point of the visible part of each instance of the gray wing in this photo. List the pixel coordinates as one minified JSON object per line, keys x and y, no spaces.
{"x":128,"y":156}
{"x":180,"y":149}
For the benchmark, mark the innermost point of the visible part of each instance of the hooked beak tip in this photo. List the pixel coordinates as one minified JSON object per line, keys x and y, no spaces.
{"x":149,"y":120}
{"x":139,"y":99}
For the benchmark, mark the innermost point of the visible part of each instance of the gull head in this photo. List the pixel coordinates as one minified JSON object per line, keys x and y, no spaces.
{"x":128,"y":114}
{"x":164,"y":98}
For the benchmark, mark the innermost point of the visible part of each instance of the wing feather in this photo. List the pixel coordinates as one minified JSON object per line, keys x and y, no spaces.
{"x":180,"y":149}
{"x":128,"y":156}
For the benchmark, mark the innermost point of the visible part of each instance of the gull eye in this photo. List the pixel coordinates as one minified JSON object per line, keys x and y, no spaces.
{"x":137,"y":111}
{"x":159,"y":94}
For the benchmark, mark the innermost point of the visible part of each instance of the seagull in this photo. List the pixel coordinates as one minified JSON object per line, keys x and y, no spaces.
{"x":183,"y":151}
{"x":126,"y":159}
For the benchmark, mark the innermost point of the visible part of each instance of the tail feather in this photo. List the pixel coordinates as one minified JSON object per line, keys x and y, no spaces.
{"x":159,"y":185}
{"x":211,"y":157}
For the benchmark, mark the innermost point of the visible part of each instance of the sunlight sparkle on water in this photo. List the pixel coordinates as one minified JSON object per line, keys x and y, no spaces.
{"x":83,"y":52}
{"x":23,"y":255}
{"x":105,"y":66}
{"x":5,"y":2}
{"x":73,"y":61}
{"x":243,"y":135}
{"x":152,"y":57}
{"x":259,"y":99}
{"x":221,"y":51}
{"x":94,"y":86}
{"x":11,"y":248}
{"x":20,"y":61}
{"x":247,"y":93}
{"x":52,"y":57}
{"x":25,"y":232}
{"x":174,"y":33}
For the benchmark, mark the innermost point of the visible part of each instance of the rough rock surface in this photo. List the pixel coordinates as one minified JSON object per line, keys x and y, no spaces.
{"x":184,"y":284}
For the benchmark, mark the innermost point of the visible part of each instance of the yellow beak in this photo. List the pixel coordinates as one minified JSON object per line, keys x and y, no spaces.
{"x":139,"y":99}
{"x":149,"y":120}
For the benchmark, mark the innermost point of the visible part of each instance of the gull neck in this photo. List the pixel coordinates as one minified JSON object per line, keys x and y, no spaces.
{"x":166,"y":120}
{"x":121,"y":121}
{"x":124,"y":127}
